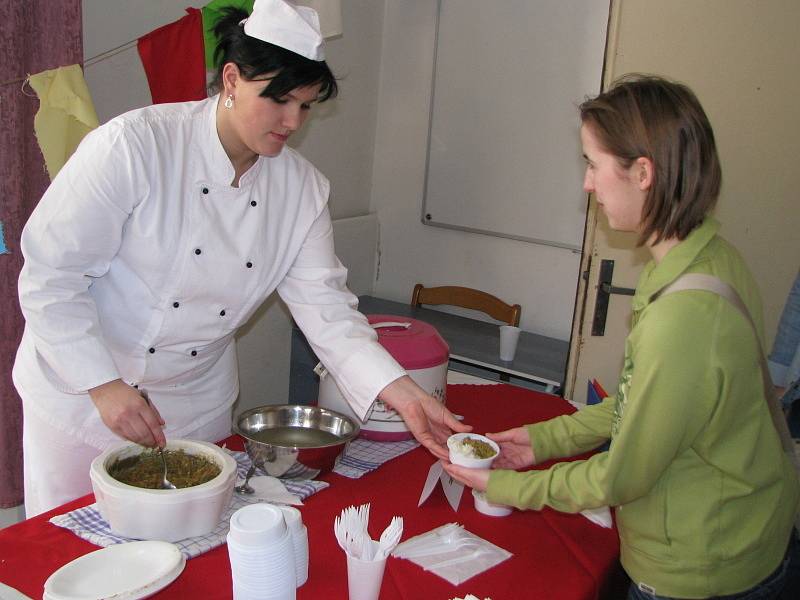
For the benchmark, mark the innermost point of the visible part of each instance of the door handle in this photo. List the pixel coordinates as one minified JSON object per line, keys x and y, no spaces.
{"x":610,"y":289}
{"x":604,"y":291}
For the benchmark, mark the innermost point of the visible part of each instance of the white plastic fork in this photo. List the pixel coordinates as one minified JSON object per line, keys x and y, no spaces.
{"x":363,"y":516}
{"x":350,"y":529}
{"x":442,"y":549}
{"x":389,"y":538}
{"x":355,"y":546}
{"x":339,"y":532}
{"x":458,"y":559}
{"x":435,"y":538}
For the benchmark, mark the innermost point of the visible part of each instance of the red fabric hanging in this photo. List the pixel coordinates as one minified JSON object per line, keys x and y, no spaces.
{"x":174,"y":60}
{"x":34,"y":36}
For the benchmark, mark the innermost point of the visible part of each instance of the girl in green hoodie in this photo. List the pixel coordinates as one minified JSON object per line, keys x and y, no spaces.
{"x":705,"y":497}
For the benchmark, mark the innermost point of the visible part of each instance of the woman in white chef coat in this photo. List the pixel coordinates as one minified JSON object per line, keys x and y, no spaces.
{"x":161,"y":236}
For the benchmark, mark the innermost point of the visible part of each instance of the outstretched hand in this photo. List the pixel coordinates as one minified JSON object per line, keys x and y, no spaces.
{"x":427,"y":418}
{"x":516,"y":450}
{"x":125,"y":412}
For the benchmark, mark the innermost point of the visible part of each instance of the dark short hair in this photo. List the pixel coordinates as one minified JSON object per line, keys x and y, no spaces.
{"x":651,"y":117}
{"x":255,"y":58}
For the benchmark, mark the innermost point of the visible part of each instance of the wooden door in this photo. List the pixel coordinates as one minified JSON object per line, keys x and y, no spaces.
{"x":741,"y":59}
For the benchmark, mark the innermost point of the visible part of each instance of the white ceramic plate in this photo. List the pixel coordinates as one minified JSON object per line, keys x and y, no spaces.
{"x":9,"y":593}
{"x":124,"y":571}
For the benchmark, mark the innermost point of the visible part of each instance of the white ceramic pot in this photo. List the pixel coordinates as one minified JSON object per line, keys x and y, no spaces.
{"x":420,"y":350}
{"x":167,"y":515}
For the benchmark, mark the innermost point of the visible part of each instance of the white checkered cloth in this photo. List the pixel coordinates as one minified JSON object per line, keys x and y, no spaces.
{"x":363,"y":456}
{"x":87,"y":523}
{"x":298,"y":480}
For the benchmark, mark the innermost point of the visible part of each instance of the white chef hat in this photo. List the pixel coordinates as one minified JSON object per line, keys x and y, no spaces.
{"x":287,"y":25}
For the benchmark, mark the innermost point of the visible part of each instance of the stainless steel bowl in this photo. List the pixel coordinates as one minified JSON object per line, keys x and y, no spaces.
{"x":294,"y":440}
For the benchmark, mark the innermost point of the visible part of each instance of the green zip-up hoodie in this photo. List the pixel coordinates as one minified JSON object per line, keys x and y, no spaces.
{"x":705,"y":496}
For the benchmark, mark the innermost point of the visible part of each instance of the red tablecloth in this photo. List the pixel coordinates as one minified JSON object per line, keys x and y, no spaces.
{"x":556,"y":555}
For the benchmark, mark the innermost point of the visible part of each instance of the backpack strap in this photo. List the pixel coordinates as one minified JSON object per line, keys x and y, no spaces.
{"x":710,"y":283}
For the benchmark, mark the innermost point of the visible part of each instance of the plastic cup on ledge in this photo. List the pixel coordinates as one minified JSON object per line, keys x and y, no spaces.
{"x":509,"y":336}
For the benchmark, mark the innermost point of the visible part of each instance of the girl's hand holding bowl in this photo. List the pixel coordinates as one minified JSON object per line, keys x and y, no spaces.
{"x":477,"y":479}
{"x":471,"y":456}
{"x":516,"y":449}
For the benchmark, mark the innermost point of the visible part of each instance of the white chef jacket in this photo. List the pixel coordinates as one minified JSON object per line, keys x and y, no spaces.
{"x":141,"y":261}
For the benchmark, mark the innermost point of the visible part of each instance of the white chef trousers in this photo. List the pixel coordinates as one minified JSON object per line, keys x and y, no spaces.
{"x":56,"y":465}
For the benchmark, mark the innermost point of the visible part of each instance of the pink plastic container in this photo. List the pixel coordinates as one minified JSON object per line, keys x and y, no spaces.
{"x":420,"y":350}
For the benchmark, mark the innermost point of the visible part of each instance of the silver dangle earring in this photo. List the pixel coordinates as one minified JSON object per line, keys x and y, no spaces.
{"x":229,"y":102}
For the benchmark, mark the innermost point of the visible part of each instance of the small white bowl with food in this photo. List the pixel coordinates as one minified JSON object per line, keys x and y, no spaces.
{"x":472,"y":450}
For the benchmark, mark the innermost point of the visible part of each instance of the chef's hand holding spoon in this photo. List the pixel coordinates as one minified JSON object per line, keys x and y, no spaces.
{"x":426,"y":418}
{"x":125,"y":412}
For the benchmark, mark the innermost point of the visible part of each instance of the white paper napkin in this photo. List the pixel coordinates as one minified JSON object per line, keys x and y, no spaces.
{"x":271,"y":489}
{"x":9,"y":593}
{"x":452,"y":553}
{"x":601,"y":516}
{"x":297,"y":480}
{"x":452,"y":488}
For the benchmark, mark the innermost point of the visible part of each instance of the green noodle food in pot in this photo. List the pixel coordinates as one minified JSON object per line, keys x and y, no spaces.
{"x":144,"y":470}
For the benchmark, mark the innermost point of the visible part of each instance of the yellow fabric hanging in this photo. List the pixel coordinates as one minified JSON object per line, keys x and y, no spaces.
{"x":66,"y":114}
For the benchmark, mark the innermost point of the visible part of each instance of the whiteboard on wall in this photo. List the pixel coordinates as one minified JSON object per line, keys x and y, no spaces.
{"x":504,"y":152}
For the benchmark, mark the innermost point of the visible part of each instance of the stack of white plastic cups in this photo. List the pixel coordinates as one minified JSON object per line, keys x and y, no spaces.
{"x":299,"y":535}
{"x":261,"y":554}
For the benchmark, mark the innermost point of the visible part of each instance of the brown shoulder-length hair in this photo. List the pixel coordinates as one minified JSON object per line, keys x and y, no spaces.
{"x":651,"y":117}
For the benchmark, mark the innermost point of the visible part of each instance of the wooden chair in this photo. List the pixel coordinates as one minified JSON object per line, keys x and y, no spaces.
{"x":467,"y":298}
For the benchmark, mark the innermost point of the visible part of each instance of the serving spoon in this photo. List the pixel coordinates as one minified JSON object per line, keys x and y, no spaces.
{"x":245,"y":487}
{"x":165,"y":483}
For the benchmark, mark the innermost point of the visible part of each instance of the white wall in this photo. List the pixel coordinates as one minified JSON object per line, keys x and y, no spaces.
{"x":338,"y":139}
{"x":540,"y":278}
{"x":9,"y":516}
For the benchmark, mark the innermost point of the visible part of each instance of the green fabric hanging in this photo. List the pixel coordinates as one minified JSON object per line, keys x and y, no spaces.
{"x":211,"y":14}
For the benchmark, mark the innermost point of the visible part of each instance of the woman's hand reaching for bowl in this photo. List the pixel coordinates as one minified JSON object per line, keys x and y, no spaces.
{"x":516,"y":450}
